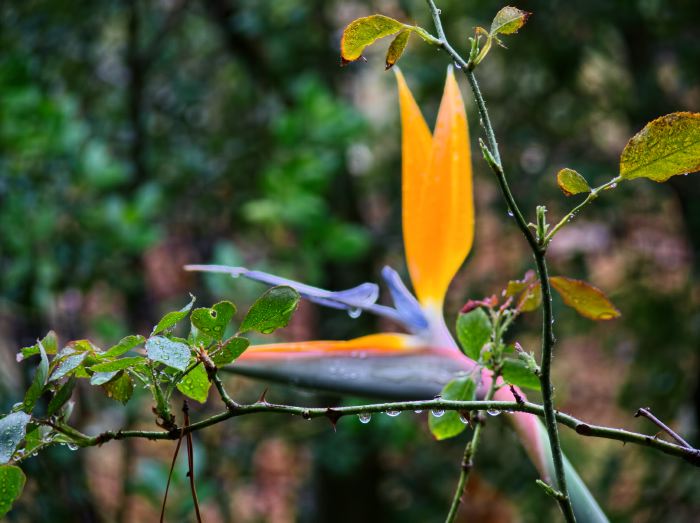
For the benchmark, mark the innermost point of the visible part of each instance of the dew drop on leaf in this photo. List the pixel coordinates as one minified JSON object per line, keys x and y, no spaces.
{"x":364,"y":417}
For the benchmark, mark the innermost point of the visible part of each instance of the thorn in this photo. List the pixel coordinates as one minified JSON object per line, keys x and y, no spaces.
{"x":261,"y":399}
{"x":518,"y":398}
{"x":333,"y":416}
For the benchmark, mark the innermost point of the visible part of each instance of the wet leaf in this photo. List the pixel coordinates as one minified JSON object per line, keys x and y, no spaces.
{"x":195,"y":384}
{"x":272,"y":310}
{"x":61,"y":397}
{"x":124,"y":346}
{"x":571,"y":182}
{"x":397,"y":47}
{"x":516,"y":373}
{"x":173,"y":353}
{"x":67,"y":365}
{"x":508,"y":21}
{"x":667,"y":146}
{"x":473,"y":332}
{"x":120,"y":388}
{"x":213,"y":321}
{"x":233,"y":348}
{"x":365,"y":31}
{"x":527,"y":292}
{"x":120,"y":364}
{"x":13,"y":428}
{"x":38,"y":383}
{"x":449,"y":424}
{"x":172,"y":318}
{"x":12,"y":481}
{"x":587,"y":300}
{"x":50,"y":343}
{"x":100,"y":378}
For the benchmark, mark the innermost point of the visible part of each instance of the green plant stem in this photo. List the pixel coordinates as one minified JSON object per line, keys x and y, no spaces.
{"x":538,"y":248}
{"x":469,"y":452}
{"x":572,"y":214}
{"x":581,"y":427}
{"x":228,"y":401}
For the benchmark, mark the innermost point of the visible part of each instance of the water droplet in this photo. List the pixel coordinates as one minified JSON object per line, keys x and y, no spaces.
{"x":393,"y":413}
{"x":457,"y":66}
{"x":464,"y":419}
{"x":510,"y":213}
{"x":437,"y":412}
{"x":493,"y":412}
{"x":418,"y":411}
{"x":355,"y":312}
{"x":364,"y":417}
{"x":613,"y":185}
{"x":72,"y":446}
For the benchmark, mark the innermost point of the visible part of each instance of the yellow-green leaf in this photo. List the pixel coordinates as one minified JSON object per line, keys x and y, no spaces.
{"x":365,"y":31}
{"x":508,"y":20}
{"x":667,"y":146}
{"x":195,"y":384}
{"x":571,"y":182}
{"x":12,"y":481}
{"x":397,"y":47}
{"x":587,"y":300}
{"x":448,"y":424}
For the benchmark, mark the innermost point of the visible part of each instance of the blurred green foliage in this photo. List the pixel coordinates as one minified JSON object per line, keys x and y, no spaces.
{"x":138,"y":136}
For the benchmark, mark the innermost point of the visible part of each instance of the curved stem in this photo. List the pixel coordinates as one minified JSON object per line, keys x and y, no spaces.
{"x":538,"y":247}
{"x":469,"y":452}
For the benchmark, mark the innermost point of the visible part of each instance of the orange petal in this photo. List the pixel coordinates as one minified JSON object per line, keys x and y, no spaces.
{"x":438,"y":207}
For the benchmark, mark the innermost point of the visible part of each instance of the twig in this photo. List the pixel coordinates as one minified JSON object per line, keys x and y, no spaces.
{"x":646,"y":413}
{"x":170,"y":474}
{"x":190,"y":460}
{"x":538,"y":247}
{"x":468,"y":459}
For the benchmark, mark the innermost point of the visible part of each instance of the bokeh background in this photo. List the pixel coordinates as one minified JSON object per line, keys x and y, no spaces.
{"x":137,"y":136}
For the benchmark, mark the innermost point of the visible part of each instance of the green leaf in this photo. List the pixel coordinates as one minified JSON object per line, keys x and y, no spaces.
{"x":587,"y":300}
{"x":195,"y":384}
{"x":397,"y":47}
{"x":508,"y":21}
{"x":62,"y":396}
{"x":365,"y":31}
{"x":473,"y":332}
{"x":67,"y":365}
{"x":527,"y":291}
{"x":233,"y":348}
{"x":120,"y":364}
{"x":13,"y":428}
{"x":667,"y":146}
{"x":571,"y":182}
{"x":100,"y":378}
{"x":124,"y":346}
{"x":173,"y":353}
{"x":38,"y":383}
{"x":172,"y":318}
{"x":449,"y":424}
{"x":272,"y":310}
{"x":12,"y":481}
{"x":50,"y":343}
{"x":516,"y":373}
{"x":120,"y":388}
{"x":213,"y":322}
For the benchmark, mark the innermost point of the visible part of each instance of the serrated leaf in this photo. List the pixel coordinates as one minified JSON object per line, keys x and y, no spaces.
{"x":527,"y":291}
{"x":120,"y":364}
{"x":666,"y":147}
{"x":38,"y":383}
{"x":586,"y":299}
{"x":67,"y":365}
{"x":449,"y":424}
{"x":508,"y":21}
{"x":172,"y":353}
{"x":172,"y":318}
{"x":12,"y":481}
{"x":13,"y":428}
{"x":195,"y":384}
{"x":50,"y":343}
{"x":473,"y":332}
{"x":61,"y":396}
{"x":271,"y":311}
{"x":213,"y":321}
{"x":233,"y":348}
{"x":516,"y":373}
{"x":365,"y":31}
{"x":397,"y":47}
{"x":571,"y":182}
{"x":120,"y":388}
{"x":125,"y":345}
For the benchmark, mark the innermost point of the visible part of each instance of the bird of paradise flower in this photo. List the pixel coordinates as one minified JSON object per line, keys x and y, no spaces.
{"x":438,"y":231}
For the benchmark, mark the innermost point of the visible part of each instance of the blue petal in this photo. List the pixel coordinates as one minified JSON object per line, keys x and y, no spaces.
{"x":407,"y":306}
{"x":362,"y":297}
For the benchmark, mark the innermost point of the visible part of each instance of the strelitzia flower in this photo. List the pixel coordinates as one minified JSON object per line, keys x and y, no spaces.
{"x":438,"y":231}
